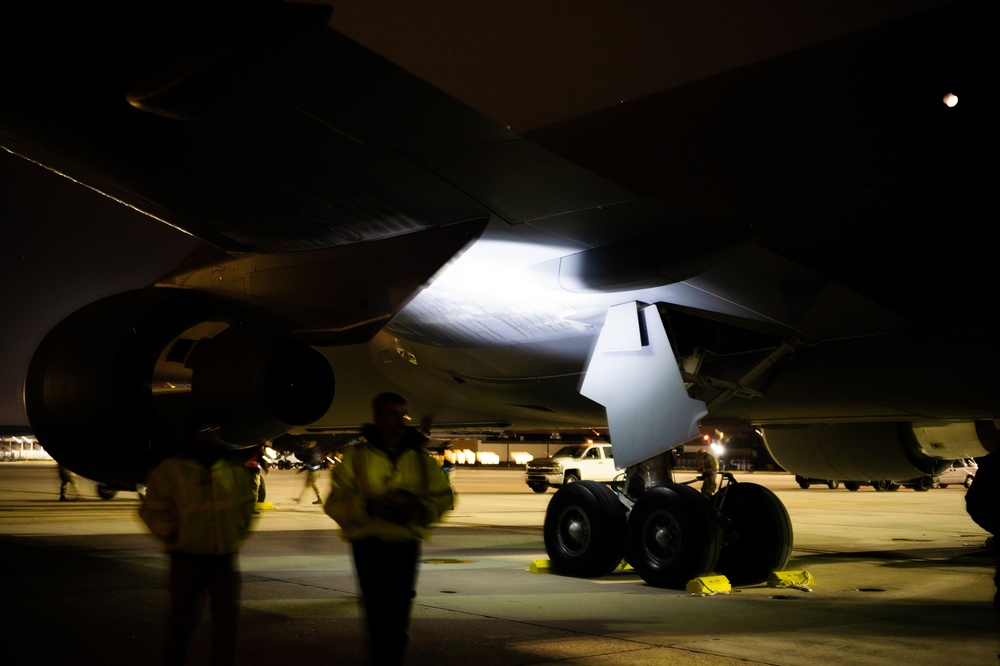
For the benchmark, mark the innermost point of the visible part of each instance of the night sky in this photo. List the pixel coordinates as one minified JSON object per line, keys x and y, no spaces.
{"x":527,"y":64}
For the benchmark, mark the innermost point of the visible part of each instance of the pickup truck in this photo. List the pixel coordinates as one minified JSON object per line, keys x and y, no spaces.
{"x":575,"y":462}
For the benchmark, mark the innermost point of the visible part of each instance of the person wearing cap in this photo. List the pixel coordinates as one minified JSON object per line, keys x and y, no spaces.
{"x":386,"y":493}
{"x":199,"y":504}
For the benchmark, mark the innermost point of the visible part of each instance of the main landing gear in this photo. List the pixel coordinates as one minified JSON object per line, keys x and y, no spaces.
{"x":669,"y":532}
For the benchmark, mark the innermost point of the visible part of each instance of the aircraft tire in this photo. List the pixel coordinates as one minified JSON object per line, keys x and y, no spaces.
{"x":106,"y":492}
{"x":673,"y":536}
{"x":833,"y":485}
{"x":852,"y":485}
{"x":923,"y":484}
{"x":539,"y":487}
{"x":584,"y":530}
{"x":882,"y":485}
{"x":803,"y":482}
{"x":757,"y":533}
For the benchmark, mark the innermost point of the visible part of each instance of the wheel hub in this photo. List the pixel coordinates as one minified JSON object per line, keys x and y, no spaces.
{"x":574,"y":531}
{"x":663,"y":541}
{"x":663,"y":538}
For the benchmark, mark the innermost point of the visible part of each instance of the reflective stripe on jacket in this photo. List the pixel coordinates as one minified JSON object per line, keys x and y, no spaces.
{"x":367,"y":472}
{"x":196,"y":510}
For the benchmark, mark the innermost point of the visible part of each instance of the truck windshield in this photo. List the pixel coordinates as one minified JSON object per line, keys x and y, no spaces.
{"x":571,"y":451}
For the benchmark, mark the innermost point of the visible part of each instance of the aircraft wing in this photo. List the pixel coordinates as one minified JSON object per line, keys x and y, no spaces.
{"x":346,"y":203}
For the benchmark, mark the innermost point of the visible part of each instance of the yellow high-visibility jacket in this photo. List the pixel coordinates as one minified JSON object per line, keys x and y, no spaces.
{"x":708,"y":462}
{"x":198,"y":510}
{"x":367,"y":473}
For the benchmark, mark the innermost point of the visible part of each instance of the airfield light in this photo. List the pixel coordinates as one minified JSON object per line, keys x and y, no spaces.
{"x":950,"y":100}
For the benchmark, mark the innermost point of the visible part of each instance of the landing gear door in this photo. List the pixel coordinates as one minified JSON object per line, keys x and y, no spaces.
{"x":632,"y":371}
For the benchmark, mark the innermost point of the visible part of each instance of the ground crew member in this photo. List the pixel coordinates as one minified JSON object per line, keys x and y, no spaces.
{"x":312,"y":463}
{"x":67,"y":480}
{"x":708,"y":464}
{"x":982,"y":501}
{"x":387,"y":491}
{"x":200,"y":504}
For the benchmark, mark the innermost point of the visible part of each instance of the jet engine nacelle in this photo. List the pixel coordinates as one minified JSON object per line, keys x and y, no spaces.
{"x":118,"y":384}
{"x":872,"y":451}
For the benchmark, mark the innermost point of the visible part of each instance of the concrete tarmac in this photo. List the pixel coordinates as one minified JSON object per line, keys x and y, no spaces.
{"x":899,"y":577}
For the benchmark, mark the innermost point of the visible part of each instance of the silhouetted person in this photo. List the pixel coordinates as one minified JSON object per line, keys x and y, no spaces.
{"x":387,"y":492}
{"x":264,"y":462}
{"x":200,"y":504}
{"x":67,"y":479}
{"x":982,"y":501}
{"x":312,"y":463}
{"x":256,"y":467}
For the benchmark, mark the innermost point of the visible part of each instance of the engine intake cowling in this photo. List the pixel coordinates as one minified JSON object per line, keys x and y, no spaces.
{"x":118,"y":384}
